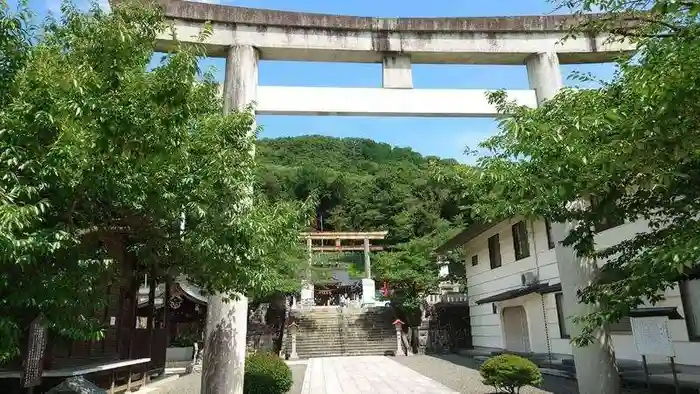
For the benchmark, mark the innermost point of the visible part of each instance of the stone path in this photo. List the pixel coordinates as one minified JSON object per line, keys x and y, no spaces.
{"x":366,"y":375}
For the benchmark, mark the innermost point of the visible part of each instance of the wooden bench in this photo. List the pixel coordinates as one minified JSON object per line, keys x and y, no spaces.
{"x":97,"y":368}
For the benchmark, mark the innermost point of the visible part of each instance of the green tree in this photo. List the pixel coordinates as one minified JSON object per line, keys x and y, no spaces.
{"x":102,"y":158}
{"x":629,"y":147}
{"x":412,"y":271}
{"x":360,"y":184}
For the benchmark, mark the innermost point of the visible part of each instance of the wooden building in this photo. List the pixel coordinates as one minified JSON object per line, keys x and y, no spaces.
{"x":121,"y":360}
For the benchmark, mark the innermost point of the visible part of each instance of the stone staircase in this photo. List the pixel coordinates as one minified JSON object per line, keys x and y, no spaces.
{"x":333,"y":331}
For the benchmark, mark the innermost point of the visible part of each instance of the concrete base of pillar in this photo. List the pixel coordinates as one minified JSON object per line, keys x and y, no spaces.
{"x":307,"y":294}
{"x":223,"y":364}
{"x":368,"y":292}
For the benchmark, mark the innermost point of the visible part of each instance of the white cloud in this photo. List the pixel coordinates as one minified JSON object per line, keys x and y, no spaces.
{"x":104,"y":5}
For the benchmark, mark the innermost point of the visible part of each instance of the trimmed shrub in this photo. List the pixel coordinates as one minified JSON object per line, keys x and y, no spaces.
{"x":266,"y":373}
{"x":508,"y":373}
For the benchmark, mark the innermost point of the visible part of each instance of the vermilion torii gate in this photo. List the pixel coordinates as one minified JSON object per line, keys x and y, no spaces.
{"x":243,"y":36}
{"x":315,"y":243}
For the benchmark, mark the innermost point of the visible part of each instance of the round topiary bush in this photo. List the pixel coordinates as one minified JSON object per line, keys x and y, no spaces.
{"x":508,"y":373}
{"x":266,"y":373}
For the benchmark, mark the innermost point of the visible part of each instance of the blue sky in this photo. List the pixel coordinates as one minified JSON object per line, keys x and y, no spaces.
{"x":429,"y":136}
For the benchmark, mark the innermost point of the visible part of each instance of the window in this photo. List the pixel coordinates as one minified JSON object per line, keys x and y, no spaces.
{"x":457,"y":269}
{"x":494,"y":251}
{"x":607,"y":221}
{"x":550,"y":238}
{"x":690,"y":296}
{"x":624,"y":326}
{"x":563,"y":331}
{"x":520,"y":241}
{"x":475,"y":260}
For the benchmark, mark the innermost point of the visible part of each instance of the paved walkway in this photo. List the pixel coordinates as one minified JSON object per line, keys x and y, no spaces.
{"x":366,"y":375}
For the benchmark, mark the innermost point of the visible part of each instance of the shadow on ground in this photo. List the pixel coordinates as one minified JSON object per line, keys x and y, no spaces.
{"x":461,"y":374}
{"x":552,"y":384}
{"x":190,"y":384}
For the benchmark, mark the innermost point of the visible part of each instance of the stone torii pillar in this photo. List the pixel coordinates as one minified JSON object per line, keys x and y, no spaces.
{"x":368,"y":287}
{"x":307,"y":286}
{"x":595,"y":364}
{"x":223,"y":366}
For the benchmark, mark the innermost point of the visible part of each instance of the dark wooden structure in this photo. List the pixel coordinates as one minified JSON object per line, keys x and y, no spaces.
{"x":116,"y":362}
{"x":180,"y":308}
{"x":329,"y":292}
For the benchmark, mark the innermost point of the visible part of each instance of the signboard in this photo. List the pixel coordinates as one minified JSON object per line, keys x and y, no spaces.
{"x":651,"y":336}
{"x":34,"y":359}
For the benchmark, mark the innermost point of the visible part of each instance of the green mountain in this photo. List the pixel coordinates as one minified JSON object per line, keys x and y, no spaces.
{"x":362,"y":185}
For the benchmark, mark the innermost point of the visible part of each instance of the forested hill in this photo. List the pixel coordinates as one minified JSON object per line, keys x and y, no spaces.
{"x":362,"y":184}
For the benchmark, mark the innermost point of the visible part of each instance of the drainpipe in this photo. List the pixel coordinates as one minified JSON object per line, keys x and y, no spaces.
{"x":544,"y":308}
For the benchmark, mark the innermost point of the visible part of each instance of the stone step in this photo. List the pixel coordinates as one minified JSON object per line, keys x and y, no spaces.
{"x":351,"y":328}
{"x":345,"y":323}
{"x":368,"y":345}
{"x":344,"y":340}
{"x":321,"y":340}
{"x":346,"y":352}
{"x":305,"y":330}
{"x":350,"y":318}
{"x":339,"y":331}
{"x":330,"y":342}
{"x":335,"y":313}
{"x":301,"y":319}
{"x":327,"y":332}
{"x":344,"y":327}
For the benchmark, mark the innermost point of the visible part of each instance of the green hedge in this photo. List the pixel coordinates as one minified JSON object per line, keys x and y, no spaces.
{"x":266,"y":373}
{"x":509,"y":373}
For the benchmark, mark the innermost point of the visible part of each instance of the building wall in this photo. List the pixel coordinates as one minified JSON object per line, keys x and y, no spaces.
{"x":541,"y":311}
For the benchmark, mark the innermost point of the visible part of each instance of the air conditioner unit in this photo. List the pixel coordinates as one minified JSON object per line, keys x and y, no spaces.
{"x":528,"y":279}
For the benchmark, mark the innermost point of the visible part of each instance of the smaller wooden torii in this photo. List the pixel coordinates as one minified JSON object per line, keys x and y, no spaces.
{"x":345,"y":242}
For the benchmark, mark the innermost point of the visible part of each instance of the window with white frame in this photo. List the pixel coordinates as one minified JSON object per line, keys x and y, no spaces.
{"x":550,"y":237}
{"x":494,"y":251}
{"x":561,"y":316}
{"x":521,"y":244}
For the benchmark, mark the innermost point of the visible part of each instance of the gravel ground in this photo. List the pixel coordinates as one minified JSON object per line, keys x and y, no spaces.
{"x":462,"y":374}
{"x":190,"y":384}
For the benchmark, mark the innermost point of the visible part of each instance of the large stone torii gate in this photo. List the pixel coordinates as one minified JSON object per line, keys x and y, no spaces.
{"x":246,"y":35}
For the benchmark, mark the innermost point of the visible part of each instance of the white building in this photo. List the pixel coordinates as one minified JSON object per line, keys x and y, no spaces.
{"x":515,"y":297}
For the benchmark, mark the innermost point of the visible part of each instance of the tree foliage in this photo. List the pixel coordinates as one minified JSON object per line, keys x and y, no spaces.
{"x":629,"y":147}
{"x":361,"y":185}
{"x":102,"y":158}
{"x":412,"y":271}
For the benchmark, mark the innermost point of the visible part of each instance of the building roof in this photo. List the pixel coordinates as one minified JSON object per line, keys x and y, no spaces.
{"x":339,"y":278}
{"x":541,"y":288}
{"x":190,"y":291}
{"x":466,"y":235}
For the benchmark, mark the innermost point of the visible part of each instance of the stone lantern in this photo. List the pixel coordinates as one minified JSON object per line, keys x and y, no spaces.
{"x":398,"y":324}
{"x":292,"y":331}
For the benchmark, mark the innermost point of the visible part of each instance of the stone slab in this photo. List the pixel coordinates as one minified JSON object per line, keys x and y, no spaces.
{"x":366,"y":375}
